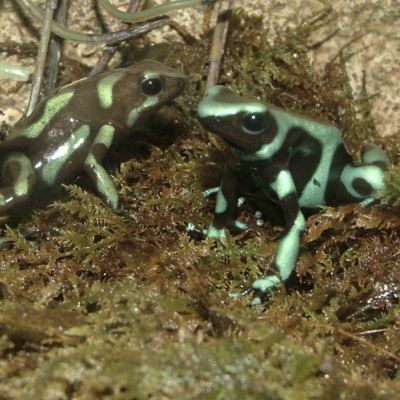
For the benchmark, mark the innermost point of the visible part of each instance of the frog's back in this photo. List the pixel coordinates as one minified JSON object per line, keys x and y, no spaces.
{"x":58,"y":134}
{"x":316,"y":168}
{"x":316,"y":159}
{"x":61,"y":115}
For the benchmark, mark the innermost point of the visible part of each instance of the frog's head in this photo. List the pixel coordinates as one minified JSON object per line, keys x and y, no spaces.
{"x":144,"y":87}
{"x":156,"y":79}
{"x":247,"y":124}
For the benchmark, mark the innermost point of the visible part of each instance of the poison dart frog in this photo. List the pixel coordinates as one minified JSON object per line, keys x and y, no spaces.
{"x":73,"y":129}
{"x":297,"y":162}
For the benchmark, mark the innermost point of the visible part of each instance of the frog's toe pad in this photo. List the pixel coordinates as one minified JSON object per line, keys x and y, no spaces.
{"x":266,"y":283}
{"x":216,"y":233}
{"x":256,"y":301}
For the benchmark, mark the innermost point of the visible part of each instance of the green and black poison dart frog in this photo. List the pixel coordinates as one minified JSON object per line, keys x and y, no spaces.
{"x":73,"y":129}
{"x":297,"y":162}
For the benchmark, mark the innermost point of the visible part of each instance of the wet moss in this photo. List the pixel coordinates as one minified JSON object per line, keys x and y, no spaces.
{"x":102,"y":306}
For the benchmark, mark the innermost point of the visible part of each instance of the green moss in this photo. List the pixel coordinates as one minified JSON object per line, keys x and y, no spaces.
{"x":392,"y":192}
{"x":100,"y":306}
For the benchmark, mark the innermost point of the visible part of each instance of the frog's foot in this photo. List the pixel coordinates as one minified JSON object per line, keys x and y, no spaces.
{"x":210,"y":191}
{"x":266,"y":283}
{"x":368,"y":202}
{"x":231,"y":226}
{"x":261,"y":286}
{"x":258,"y":289}
{"x":217,"y":233}
{"x":193,"y":229}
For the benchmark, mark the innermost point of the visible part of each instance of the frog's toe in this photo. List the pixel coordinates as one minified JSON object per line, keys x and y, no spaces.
{"x":193,"y":230}
{"x":240,"y":226}
{"x":118,"y":208}
{"x":261,"y":286}
{"x":257,"y":295}
{"x":210,"y":191}
{"x":256,"y":292}
{"x":256,"y":301}
{"x":264,"y":284}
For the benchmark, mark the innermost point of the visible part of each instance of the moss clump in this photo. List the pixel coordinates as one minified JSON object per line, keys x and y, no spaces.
{"x":99,"y":306}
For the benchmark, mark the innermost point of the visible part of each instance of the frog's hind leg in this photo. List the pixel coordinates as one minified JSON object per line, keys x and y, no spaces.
{"x":372,"y":154}
{"x":19,"y":177}
{"x":104,"y":184}
{"x":363,"y":180}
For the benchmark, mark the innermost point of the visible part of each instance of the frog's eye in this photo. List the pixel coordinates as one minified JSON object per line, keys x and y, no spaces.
{"x":151,"y":86}
{"x":254,"y":123}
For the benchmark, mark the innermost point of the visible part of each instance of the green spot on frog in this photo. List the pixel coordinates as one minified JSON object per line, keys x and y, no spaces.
{"x":105,"y":88}
{"x":52,"y":107}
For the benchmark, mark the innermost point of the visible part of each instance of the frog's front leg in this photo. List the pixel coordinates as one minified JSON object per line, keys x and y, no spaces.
{"x":17,"y":169}
{"x":225,"y":207}
{"x":104,"y":184}
{"x":289,"y":245}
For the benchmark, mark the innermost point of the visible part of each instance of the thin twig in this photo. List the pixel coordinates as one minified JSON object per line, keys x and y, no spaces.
{"x":117,"y":37}
{"x":55,"y":48}
{"x":346,"y":334}
{"x":219,"y":41}
{"x":109,"y":50}
{"x":63,"y":31}
{"x":356,"y":338}
{"x":153,"y":11}
{"x":372,"y":332}
{"x":51,"y":5}
{"x":139,"y":31}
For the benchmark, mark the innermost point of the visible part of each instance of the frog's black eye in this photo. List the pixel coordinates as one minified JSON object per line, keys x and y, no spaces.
{"x":254,"y":123}
{"x":151,"y":86}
